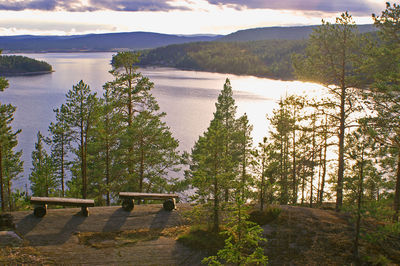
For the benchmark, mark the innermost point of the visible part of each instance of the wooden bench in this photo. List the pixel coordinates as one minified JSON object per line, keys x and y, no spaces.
{"x":129,"y":197}
{"x":42,"y":202}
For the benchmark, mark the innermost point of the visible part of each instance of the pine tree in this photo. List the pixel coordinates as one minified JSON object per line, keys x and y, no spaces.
{"x":332,"y":57}
{"x":282,"y":122}
{"x":225,"y":113}
{"x":8,"y":141}
{"x":205,"y":170}
{"x":13,"y":167}
{"x":81,"y":109}
{"x":59,"y":143}
{"x":131,"y":93}
{"x":154,"y":152}
{"x":107,"y":167}
{"x":383,"y":65}
{"x":245,"y":150}
{"x":220,"y":157}
{"x":3,"y":81}
{"x":43,"y":179}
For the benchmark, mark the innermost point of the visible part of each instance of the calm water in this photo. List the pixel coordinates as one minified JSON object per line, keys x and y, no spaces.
{"x":188,"y":97}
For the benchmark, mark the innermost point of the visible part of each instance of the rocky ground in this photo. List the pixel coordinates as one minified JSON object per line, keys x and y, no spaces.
{"x":147,"y":236}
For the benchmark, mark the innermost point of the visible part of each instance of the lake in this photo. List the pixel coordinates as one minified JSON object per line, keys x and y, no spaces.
{"x":188,"y":97}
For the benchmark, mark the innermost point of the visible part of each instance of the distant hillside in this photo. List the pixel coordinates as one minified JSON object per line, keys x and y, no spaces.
{"x":95,"y":42}
{"x":279,"y":33}
{"x":262,"y":52}
{"x":22,"y":65}
{"x":270,"y":58}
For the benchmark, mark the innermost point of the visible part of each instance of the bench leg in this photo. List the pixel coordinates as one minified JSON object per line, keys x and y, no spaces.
{"x":128,"y":205}
{"x":169,"y":204}
{"x":40,"y":211}
{"x":85,"y":211}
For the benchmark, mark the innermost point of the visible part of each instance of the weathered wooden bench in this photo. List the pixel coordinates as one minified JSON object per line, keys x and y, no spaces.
{"x":42,"y":202}
{"x":129,"y":197}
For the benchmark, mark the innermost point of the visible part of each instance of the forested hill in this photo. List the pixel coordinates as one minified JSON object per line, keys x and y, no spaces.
{"x":94,"y":42}
{"x":270,"y":58}
{"x":279,"y":33}
{"x":22,"y":65}
{"x":262,"y":52}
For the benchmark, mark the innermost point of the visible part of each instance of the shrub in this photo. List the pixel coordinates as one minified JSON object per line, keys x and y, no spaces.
{"x":264,"y":217}
{"x":200,"y":238}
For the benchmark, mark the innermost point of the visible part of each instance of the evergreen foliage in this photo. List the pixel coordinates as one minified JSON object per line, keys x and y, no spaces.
{"x":10,"y":160}
{"x":43,"y":179}
{"x":59,"y":144}
{"x":14,"y":65}
{"x":332,"y":58}
{"x":269,"y":58}
{"x":383,"y":65}
{"x":80,"y":115}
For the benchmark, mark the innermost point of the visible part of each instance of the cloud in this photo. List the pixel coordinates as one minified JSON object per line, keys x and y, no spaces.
{"x":353,"y":6}
{"x":90,"y":5}
{"x":66,"y":27}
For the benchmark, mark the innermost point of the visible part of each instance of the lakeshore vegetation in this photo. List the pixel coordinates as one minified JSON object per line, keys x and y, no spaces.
{"x":11,"y":65}
{"x":118,"y":141}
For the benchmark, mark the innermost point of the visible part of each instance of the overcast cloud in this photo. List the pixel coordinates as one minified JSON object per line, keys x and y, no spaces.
{"x":93,"y":5}
{"x":353,"y":6}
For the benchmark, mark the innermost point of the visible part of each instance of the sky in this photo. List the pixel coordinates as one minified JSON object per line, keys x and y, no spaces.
{"x":70,"y":17}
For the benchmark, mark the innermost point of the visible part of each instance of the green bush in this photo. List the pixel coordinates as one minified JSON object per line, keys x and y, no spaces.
{"x":266,"y":216}
{"x":200,"y":238}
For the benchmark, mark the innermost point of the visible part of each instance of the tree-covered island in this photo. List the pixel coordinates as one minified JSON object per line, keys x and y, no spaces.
{"x":17,"y":65}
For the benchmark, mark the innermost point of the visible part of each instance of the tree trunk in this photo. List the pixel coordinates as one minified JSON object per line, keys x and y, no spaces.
{"x":360,"y":194}
{"x":321,"y":195}
{"x":9,"y":195}
{"x":396,"y":205}
{"x":141,"y":168}
{"x":216,"y":198}
{"x":108,"y":171}
{"x":294,"y":178}
{"x":62,"y":165}
{"x":262,"y":190}
{"x":3,"y":207}
{"x":83,"y":163}
{"x":216,"y":206}
{"x":339,"y":191}
{"x":312,"y":163}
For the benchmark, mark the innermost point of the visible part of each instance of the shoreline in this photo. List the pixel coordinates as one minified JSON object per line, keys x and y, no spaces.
{"x":26,"y":73}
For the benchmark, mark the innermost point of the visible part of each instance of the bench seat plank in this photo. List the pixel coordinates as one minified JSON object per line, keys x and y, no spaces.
{"x":63,"y":201}
{"x":154,"y":196}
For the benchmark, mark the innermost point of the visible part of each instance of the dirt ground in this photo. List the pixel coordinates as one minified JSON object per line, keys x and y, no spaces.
{"x":59,"y":237}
